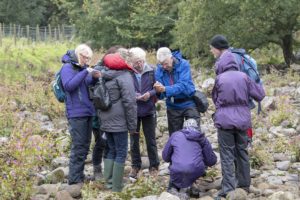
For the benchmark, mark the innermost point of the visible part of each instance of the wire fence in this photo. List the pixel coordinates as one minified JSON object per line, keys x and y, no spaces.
{"x":37,"y":33}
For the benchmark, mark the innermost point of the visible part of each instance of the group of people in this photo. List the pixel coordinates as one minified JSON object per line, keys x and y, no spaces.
{"x":134,"y":87}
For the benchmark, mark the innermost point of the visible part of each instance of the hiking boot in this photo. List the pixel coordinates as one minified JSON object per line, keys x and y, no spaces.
{"x":134,"y":172}
{"x":173,"y":191}
{"x":183,"y":195}
{"x":74,"y":190}
{"x":98,"y":176}
{"x":153,"y":171}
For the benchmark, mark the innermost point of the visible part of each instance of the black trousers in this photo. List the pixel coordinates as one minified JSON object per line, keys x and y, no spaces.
{"x":177,"y":117}
{"x":149,"y":124}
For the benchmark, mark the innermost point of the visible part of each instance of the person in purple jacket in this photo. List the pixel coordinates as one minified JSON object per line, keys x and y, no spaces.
{"x":232,"y":118}
{"x":76,"y":76}
{"x":144,"y":79}
{"x":189,"y":153}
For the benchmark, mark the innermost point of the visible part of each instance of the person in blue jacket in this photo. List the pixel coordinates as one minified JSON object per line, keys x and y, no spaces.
{"x":174,"y":83}
{"x":76,"y":76}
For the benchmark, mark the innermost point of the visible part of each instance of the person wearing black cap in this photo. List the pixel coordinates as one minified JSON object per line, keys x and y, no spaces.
{"x":218,"y":45}
{"x":232,"y":118}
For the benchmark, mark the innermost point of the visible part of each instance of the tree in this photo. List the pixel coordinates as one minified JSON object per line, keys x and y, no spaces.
{"x":128,"y":22}
{"x":248,"y":24}
{"x":20,"y":12}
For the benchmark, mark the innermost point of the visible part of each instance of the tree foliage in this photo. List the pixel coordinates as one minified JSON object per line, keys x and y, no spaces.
{"x":128,"y":22}
{"x":247,"y":24}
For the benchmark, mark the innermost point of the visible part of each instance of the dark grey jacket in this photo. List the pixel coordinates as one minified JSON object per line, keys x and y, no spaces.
{"x":122,"y":116}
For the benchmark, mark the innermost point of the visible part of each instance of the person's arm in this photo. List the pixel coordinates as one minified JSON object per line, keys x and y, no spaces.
{"x":128,"y":98}
{"x":71,"y":79}
{"x":168,"y":151}
{"x":184,"y":84}
{"x":209,"y":157}
{"x":256,"y":90}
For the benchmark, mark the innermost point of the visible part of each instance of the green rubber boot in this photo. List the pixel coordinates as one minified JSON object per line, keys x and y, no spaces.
{"x":117,"y":179}
{"x":108,"y":171}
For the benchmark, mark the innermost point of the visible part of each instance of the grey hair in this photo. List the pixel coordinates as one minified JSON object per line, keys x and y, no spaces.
{"x":137,"y":53}
{"x":163,"y":53}
{"x":83,"y":48}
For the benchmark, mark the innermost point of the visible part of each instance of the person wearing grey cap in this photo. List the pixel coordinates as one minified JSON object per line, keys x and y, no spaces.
{"x":174,"y":83}
{"x":189,"y":163}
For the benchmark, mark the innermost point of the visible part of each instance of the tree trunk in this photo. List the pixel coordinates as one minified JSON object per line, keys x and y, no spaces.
{"x":287,"y":48}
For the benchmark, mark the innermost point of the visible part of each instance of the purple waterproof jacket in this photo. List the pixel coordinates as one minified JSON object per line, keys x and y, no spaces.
{"x":75,"y":80}
{"x":189,"y":152}
{"x":231,"y":94}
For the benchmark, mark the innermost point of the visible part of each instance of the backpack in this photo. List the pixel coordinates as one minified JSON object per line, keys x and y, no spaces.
{"x":201,"y":101}
{"x":57,"y":87}
{"x":100,"y":96}
{"x":248,"y":65}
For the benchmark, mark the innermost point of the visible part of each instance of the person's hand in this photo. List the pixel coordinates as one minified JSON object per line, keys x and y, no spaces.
{"x":159,"y":87}
{"x":133,"y":132}
{"x":96,"y":74}
{"x":89,"y":69}
{"x":144,"y":97}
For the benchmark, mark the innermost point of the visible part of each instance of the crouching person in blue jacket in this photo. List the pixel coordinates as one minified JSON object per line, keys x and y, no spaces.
{"x":189,"y":153}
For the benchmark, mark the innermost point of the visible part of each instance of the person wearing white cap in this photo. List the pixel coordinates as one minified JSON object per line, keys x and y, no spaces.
{"x":174,"y":83}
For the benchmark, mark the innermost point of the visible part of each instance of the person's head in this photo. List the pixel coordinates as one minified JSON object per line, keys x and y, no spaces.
{"x":190,"y":123}
{"x":218,"y":44}
{"x":84,"y":54}
{"x":164,"y":57}
{"x":138,"y":58}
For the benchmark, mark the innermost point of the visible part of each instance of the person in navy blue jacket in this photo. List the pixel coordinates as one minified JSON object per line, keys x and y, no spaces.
{"x":146,"y":114}
{"x":76,"y":76}
{"x":174,"y":82}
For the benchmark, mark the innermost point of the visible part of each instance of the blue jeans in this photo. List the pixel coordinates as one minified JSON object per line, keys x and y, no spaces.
{"x":117,"y":146}
{"x":81,"y":131}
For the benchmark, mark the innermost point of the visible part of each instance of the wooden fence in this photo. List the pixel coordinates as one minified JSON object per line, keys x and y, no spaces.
{"x":37,"y":33}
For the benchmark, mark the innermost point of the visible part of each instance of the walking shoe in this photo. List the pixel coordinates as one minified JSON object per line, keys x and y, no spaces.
{"x":98,"y":176}
{"x":153,"y":171}
{"x":75,"y":189}
{"x":173,"y":191}
{"x":134,"y":172}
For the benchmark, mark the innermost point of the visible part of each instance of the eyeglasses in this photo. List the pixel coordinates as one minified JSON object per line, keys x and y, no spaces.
{"x":85,"y":57}
{"x":138,"y":62}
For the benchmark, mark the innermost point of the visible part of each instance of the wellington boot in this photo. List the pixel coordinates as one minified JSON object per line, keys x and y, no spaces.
{"x":108,"y":171}
{"x":117,"y":178}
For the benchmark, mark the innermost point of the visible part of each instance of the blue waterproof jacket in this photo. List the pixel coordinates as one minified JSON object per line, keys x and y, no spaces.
{"x":178,"y":83}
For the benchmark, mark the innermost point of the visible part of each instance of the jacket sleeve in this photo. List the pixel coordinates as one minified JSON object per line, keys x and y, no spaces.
{"x":128,"y":100}
{"x":256,"y":90}
{"x":184,"y":84}
{"x":209,"y":157}
{"x":168,"y":150}
{"x":71,"y":79}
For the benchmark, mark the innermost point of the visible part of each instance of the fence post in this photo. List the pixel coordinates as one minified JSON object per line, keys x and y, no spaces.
{"x":49,"y":29}
{"x":0,"y":34}
{"x":15,"y":32}
{"x":59,"y":32}
{"x":27,"y":34}
{"x":37,"y":33}
{"x":63,"y":31}
{"x":45,"y":34}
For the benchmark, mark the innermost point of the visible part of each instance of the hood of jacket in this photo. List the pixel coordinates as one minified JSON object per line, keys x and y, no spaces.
{"x":193,"y":134}
{"x":70,"y":57}
{"x":226,"y":62}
